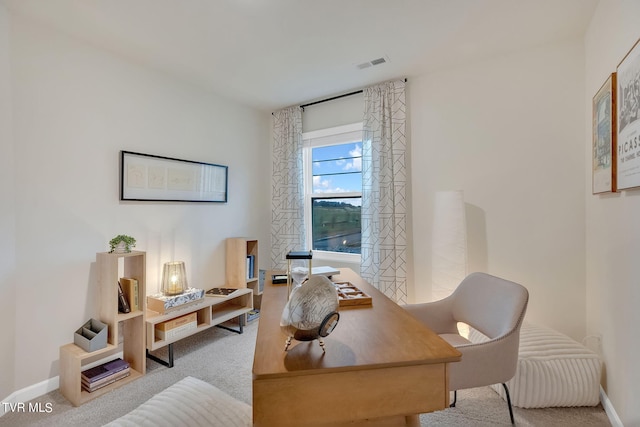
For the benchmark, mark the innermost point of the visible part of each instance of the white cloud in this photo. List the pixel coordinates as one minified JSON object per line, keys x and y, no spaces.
{"x":356,"y":164}
{"x":319,"y":183}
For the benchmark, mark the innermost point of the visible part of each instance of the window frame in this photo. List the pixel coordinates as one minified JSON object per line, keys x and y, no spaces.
{"x":321,"y":138}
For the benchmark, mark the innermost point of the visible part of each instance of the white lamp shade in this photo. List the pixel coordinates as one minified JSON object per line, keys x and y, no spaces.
{"x":449,"y":243}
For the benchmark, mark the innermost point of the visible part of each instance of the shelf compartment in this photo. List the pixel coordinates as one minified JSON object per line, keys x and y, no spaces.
{"x":230,"y":309}
{"x":72,"y":361}
{"x":126,"y":330}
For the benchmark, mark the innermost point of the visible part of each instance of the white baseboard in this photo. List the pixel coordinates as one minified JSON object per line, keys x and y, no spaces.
{"x":29,"y":393}
{"x":609,"y":409}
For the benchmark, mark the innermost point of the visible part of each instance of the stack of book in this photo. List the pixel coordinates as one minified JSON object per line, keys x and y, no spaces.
{"x":105,"y":374}
{"x":253,"y":315}
{"x":176,"y":327}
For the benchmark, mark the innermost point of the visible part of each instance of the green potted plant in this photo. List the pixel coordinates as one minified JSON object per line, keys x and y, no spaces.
{"x":122,"y":244}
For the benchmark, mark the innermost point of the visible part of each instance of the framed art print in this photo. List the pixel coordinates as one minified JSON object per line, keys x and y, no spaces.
{"x":628,"y":116}
{"x":604,"y":138}
{"x":144,"y":177}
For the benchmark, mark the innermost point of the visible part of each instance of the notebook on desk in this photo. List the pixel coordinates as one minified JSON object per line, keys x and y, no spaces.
{"x":324,"y":271}
{"x":279,"y":279}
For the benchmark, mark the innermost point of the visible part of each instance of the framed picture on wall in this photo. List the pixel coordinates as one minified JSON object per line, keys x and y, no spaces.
{"x":628,"y":116}
{"x":144,"y":177}
{"x":604,"y":138}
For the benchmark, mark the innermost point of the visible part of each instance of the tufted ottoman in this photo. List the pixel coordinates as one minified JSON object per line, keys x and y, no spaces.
{"x":553,"y":370}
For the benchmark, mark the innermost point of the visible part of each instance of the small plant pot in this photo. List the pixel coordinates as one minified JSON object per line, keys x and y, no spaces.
{"x":121,"y":248}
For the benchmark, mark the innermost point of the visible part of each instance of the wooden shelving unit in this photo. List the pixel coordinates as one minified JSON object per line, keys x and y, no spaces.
{"x":237,"y":251}
{"x":126,"y":331}
{"x":210,"y":311}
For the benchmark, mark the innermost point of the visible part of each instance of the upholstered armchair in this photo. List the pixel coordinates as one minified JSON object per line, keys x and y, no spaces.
{"x":493,"y":306}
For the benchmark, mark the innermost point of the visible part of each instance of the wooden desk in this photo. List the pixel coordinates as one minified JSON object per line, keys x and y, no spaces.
{"x":381,"y":367}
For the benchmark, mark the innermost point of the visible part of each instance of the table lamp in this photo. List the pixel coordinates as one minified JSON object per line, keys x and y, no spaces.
{"x":174,"y":278}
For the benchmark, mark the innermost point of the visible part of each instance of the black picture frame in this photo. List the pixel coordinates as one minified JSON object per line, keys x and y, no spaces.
{"x":147,"y":177}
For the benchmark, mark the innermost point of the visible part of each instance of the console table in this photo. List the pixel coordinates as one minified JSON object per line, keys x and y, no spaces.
{"x":210,"y":311}
{"x":381,"y":366}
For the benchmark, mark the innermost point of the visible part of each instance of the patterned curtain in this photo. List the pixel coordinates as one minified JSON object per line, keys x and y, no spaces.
{"x":287,"y":204}
{"x":384,"y":245}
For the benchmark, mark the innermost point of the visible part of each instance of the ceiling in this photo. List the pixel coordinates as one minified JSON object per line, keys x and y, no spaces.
{"x":275,"y":53}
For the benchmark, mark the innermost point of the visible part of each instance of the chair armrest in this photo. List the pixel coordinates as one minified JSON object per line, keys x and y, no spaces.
{"x":436,"y":315}
{"x":489,"y":362}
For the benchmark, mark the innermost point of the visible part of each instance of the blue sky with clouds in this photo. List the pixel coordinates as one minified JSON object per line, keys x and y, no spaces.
{"x":337,"y":168}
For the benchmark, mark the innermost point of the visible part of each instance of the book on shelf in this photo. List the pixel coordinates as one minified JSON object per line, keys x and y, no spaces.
{"x":123,"y":305}
{"x":176,"y":327}
{"x":253,"y":315}
{"x":91,"y":387}
{"x":278,"y":279}
{"x":130,"y":290}
{"x":99,"y":372}
{"x":220,"y":292}
{"x":250,"y":266}
{"x":177,"y":331}
{"x":261,"y":277}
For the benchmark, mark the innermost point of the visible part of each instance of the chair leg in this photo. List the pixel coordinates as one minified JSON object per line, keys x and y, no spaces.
{"x":506,"y":390}
{"x":455,"y":398}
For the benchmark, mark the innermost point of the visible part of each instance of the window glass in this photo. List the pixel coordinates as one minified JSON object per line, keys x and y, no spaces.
{"x":333,"y":189}
{"x":336,"y":224}
{"x":337,"y":168}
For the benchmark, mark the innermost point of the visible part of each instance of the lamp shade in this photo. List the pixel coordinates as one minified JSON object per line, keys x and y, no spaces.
{"x":449,"y":243}
{"x":174,"y":278}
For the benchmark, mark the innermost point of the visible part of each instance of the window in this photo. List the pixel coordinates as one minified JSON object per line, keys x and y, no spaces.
{"x":333,"y":189}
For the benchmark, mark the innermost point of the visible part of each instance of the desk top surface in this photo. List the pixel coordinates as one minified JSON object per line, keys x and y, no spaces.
{"x":380,"y":335}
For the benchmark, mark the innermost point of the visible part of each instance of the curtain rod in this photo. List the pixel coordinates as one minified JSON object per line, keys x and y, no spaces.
{"x":333,"y":98}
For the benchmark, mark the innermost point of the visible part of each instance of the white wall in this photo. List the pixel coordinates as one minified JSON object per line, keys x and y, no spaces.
{"x":612,"y":234}
{"x":509,"y":132}
{"x":7,"y":214}
{"x":75,"y":108}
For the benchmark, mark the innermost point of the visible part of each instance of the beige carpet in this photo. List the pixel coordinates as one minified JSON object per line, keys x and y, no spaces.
{"x":224,"y":359}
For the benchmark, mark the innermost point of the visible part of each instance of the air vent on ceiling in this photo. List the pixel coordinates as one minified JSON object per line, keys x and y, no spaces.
{"x":373,"y":62}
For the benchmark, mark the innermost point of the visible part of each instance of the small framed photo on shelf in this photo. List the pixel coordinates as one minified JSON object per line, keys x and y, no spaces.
{"x":604,"y":138}
{"x":628,"y":116}
{"x":145,"y":177}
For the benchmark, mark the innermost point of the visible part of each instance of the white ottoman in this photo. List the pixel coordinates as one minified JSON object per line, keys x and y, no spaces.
{"x":553,"y":371}
{"x":189,"y":402}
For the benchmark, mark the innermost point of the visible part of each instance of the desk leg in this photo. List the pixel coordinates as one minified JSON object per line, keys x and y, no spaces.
{"x":240,"y":325}
{"x":166,"y":363}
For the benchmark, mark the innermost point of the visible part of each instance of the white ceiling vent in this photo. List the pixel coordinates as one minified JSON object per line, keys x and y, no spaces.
{"x":373,"y":62}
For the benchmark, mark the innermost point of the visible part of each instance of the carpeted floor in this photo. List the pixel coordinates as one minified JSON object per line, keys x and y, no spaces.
{"x":225,"y":360}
